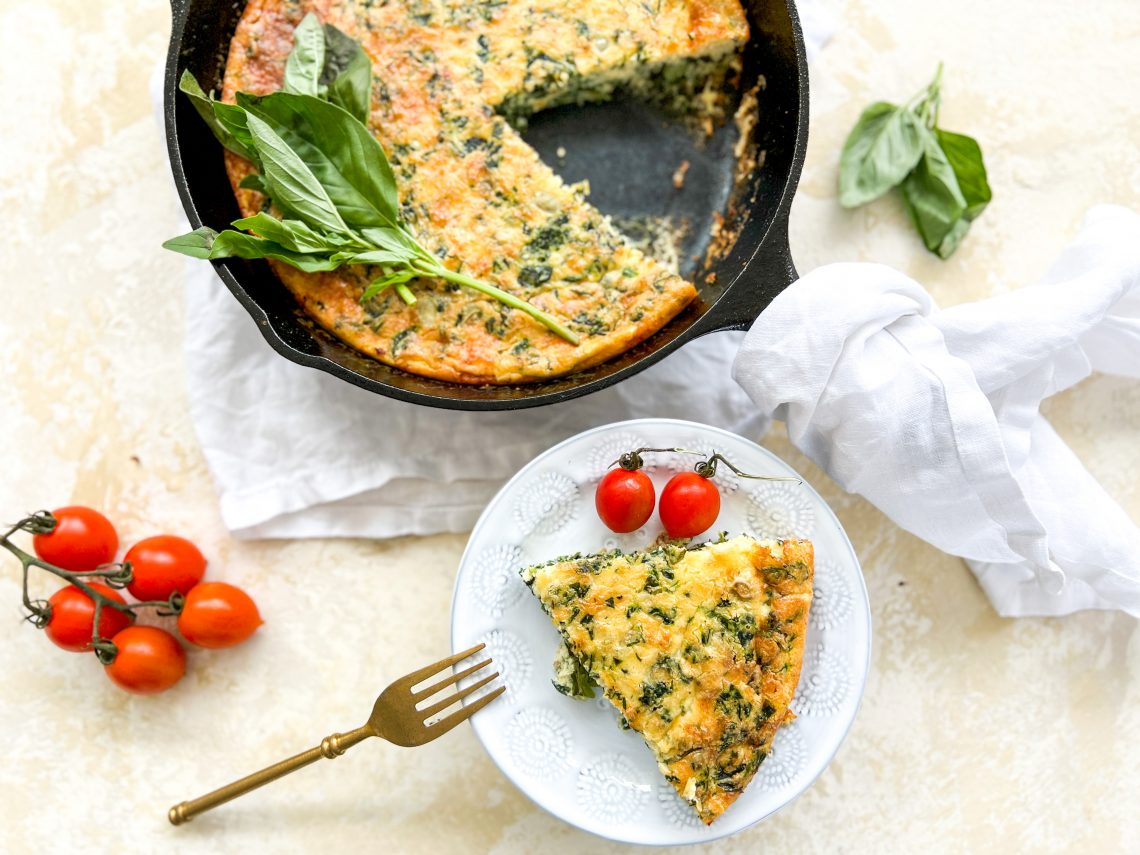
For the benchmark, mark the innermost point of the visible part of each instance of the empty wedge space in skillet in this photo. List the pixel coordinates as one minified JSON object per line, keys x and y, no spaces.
{"x":476,"y":194}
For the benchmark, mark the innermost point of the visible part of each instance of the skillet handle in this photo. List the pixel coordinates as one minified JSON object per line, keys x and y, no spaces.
{"x":768,"y":273}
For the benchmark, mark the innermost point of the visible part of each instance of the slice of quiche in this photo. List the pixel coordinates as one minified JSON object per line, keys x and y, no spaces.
{"x":700,"y":649}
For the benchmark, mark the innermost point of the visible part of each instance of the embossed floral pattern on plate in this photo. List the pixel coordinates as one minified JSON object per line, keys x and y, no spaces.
{"x":512,"y":659}
{"x":780,"y":509}
{"x":547,"y":503}
{"x":612,"y":788}
{"x":495,"y":579}
{"x":539,"y":741}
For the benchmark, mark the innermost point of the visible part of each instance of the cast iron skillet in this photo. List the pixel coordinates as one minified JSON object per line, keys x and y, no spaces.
{"x":629,"y":153}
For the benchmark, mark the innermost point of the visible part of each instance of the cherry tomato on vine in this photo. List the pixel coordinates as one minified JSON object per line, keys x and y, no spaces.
{"x":73,"y":617}
{"x":624,"y":499}
{"x":82,"y":540}
{"x":689,"y":504}
{"x":163,"y":564}
{"x":149,"y":660}
{"x":218,"y":615}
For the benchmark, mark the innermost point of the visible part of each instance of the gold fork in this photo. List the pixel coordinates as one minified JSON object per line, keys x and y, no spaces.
{"x":394,"y":718}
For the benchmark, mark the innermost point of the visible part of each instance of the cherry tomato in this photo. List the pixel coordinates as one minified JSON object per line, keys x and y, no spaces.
{"x":73,"y":616}
{"x":82,"y":540}
{"x":689,"y":504}
{"x":624,"y":499}
{"x":218,"y":615}
{"x":149,"y":660}
{"x":163,"y":564}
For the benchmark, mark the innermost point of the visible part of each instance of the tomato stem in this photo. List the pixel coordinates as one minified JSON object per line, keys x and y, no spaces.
{"x":105,"y":651}
{"x":707,"y":469}
{"x":115,"y":575}
{"x":632,"y":461}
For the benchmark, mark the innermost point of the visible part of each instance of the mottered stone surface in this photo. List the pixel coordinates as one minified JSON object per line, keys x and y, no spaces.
{"x":975,"y":734}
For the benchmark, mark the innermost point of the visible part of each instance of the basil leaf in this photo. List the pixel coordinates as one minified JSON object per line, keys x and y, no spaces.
{"x":206,"y":243}
{"x":954,"y":237}
{"x":232,"y":118}
{"x":386,"y":281}
{"x":292,"y":234}
{"x":396,"y":278}
{"x":388,"y":238}
{"x":293,"y":186}
{"x":195,"y":244}
{"x":885,"y":144}
{"x":375,"y":288}
{"x":347,"y":74}
{"x":379,"y":256}
{"x":253,"y":182}
{"x":933,"y":198}
{"x":965,"y":157}
{"x":307,"y":58}
{"x":239,"y":244}
{"x":231,"y":244}
{"x":340,"y":49}
{"x":339,"y":150}
{"x":212,"y":113}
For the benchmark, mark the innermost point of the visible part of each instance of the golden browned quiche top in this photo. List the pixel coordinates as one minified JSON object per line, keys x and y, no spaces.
{"x":699,"y":648}
{"x":447,"y":76}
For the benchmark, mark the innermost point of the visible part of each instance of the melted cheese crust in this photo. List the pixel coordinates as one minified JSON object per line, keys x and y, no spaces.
{"x":699,"y":648}
{"x":472,"y":190}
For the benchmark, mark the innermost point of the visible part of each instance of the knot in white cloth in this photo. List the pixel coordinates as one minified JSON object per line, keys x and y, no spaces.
{"x":933,"y":415}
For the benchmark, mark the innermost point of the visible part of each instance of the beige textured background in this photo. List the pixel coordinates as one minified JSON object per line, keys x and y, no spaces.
{"x":976,"y":733}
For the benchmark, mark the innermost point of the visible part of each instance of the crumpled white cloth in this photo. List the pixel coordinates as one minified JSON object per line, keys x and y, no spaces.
{"x":933,"y":415}
{"x":298,"y":453}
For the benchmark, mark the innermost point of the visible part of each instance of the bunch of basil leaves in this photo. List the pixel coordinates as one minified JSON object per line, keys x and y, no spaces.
{"x":941,"y":174}
{"x":325,"y":174}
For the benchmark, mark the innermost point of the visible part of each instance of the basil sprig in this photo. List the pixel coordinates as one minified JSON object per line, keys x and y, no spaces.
{"x":941,"y":174}
{"x":325,"y":174}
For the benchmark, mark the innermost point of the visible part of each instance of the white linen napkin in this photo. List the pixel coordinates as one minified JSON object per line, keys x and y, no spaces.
{"x":296,"y":452}
{"x":932,"y":415}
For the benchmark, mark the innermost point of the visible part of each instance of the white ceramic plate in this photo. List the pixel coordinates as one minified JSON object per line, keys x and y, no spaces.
{"x":570,"y":756}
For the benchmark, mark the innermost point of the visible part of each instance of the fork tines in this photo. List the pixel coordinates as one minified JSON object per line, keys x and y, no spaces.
{"x":401,"y":694}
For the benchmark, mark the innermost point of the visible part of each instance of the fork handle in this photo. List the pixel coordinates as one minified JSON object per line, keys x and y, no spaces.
{"x":330,"y":747}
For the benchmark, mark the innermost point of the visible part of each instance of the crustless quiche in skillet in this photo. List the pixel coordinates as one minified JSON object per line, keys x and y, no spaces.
{"x":449,"y":78}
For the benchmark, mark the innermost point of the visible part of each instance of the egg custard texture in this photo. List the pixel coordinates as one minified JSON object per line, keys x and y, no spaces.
{"x":699,"y":648}
{"x":449,"y":77}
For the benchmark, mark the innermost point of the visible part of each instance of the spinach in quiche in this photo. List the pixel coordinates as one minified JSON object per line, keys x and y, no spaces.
{"x":700,"y":650}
